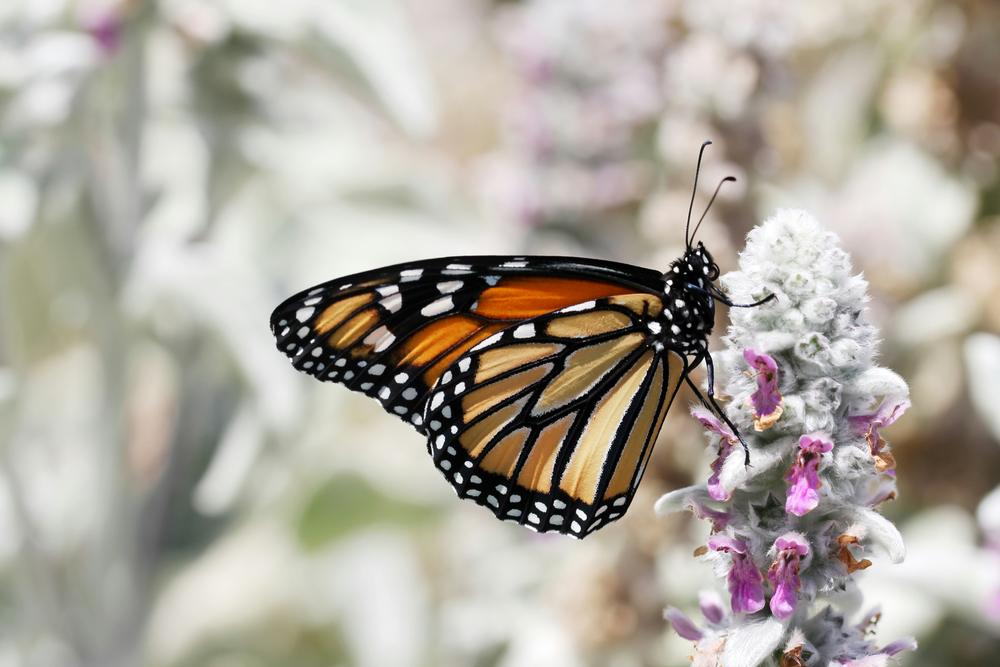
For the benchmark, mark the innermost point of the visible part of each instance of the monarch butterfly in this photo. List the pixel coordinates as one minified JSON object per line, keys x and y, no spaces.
{"x":540,"y":383}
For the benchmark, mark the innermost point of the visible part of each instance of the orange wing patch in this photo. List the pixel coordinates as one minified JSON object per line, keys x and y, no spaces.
{"x":521,"y":298}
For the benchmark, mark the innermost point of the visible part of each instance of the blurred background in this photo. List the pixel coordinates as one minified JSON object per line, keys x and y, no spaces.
{"x":173,"y":494}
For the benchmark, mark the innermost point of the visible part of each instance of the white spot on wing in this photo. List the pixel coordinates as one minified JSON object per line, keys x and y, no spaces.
{"x":514,"y":265}
{"x":438,"y":306}
{"x":409,"y":275}
{"x":524,"y":331}
{"x":303,"y":314}
{"x":386,"y":290}
{"x":449,"y":286}
{"x":463,"y":364}
{"x":586,"y":305}
{"x":392,"y":303}
{"x":376,"y":336}
{"x":385,"y":342}
{"x":489,"y":341}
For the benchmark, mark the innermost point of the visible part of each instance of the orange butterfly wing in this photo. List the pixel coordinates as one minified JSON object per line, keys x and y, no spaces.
{"x":391,"y":333}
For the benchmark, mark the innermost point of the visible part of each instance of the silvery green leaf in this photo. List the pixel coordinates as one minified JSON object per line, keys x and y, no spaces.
{"x":881,"y":532}
{"x":677,"y":500}
{"x":751,"y":644}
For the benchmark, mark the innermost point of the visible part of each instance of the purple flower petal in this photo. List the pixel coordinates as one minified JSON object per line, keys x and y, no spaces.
{"x":784,"y":573}
{"x":715,"y":488}
{"x":727,"y":441}
{"x":900,"y":645}
{"x":767,"y":400}
{"x":713,"y":423}
{"x":727,"y":543}
{"x":877,"y":660}
{"x":868,"y":425}
{"x":746,"y":590}
{"x":683,"y":625}
{"x":803,"y":493}
{"x":711,"y":607}
{"x":718,"y":518}
{"x":793,"y":542}
{"x":106,"y":28}
{"x":992,"y":606}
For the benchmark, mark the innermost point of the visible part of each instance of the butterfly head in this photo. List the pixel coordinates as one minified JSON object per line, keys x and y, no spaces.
{"x":696,"y":267}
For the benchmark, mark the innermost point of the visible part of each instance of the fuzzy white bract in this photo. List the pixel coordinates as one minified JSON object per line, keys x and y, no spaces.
{"x":790,"y":530}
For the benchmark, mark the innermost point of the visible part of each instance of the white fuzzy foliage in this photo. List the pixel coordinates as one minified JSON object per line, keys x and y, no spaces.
{"x":825,"y":349}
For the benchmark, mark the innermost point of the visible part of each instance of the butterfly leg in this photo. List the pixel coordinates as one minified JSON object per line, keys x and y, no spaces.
{"x":713,"y":406}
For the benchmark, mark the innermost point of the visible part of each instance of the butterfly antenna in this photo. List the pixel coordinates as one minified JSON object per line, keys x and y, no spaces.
{"x":727,"y":179}
{"x":694,"y":191}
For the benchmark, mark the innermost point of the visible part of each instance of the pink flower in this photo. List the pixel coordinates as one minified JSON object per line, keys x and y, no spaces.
{"x":746,"y":588}
{"x":766,"y":401}
{"x":880,"y":658}
{"x":718,"y":518}
{"x":684,"y":626}
{"x":900,"y":645}
{"x":784,"y":573}
{"x":106,"y":27}
{"x":803,"y":494}
{"x":711,"y":607}
{"x":727,"y":440}
{"x":868,"y":425}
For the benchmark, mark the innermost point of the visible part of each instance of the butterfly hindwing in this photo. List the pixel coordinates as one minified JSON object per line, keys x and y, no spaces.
{"x":391,"y":333}
{"x":550,"y":423}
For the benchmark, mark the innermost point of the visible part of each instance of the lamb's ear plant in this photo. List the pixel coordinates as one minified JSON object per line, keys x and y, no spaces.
{"x":789,"y":531}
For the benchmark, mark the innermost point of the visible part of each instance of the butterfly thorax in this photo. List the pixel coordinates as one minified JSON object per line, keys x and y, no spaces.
{"x":689,"y":309}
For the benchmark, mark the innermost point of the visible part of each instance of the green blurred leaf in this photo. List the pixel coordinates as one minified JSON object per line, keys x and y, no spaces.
{"x":348,"y":503}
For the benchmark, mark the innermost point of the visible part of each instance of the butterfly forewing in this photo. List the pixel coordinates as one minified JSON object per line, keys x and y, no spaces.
{"x":393,"y":332}
{"x":550,"y":422}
